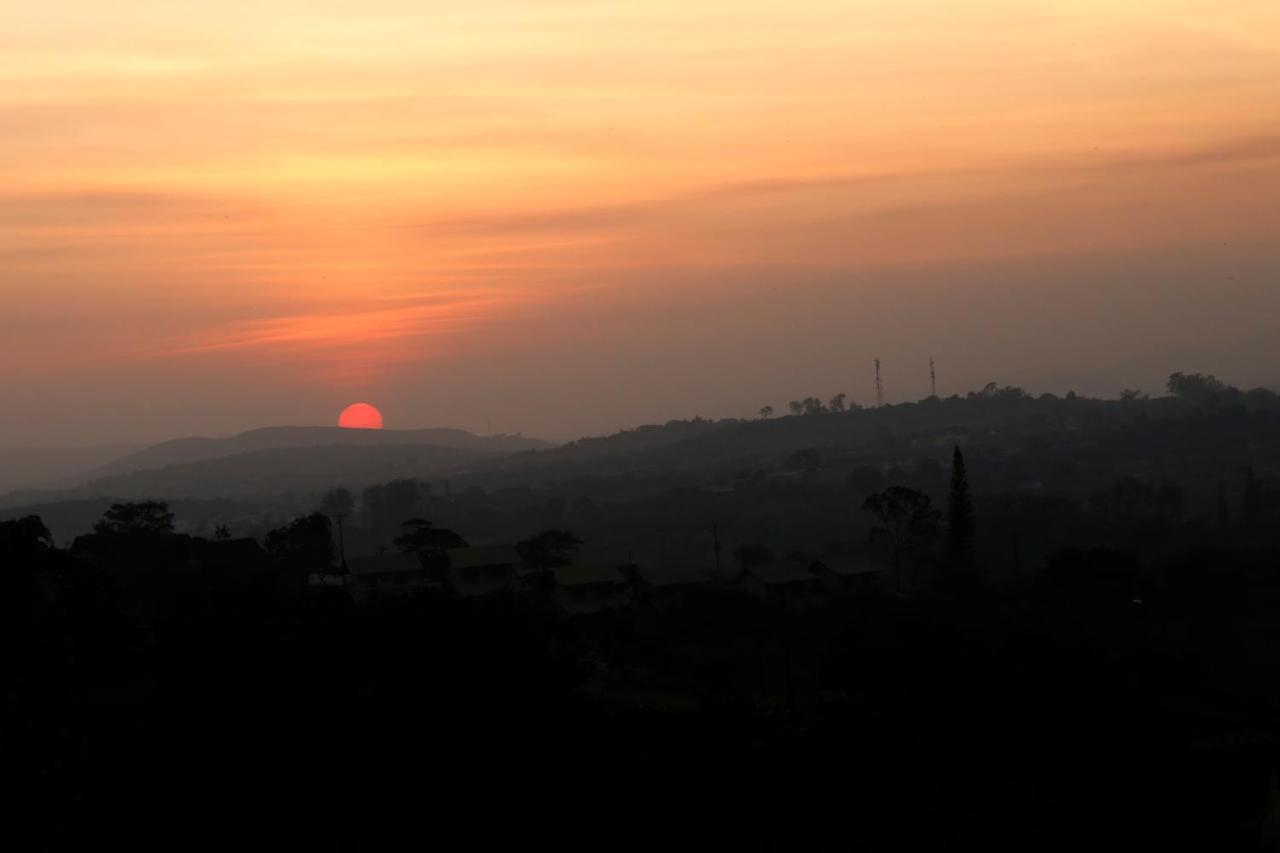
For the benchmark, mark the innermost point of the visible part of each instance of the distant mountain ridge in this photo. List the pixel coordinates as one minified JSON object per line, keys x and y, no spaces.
{"x":280,"y":471}
{"x":34,"y":467}
{"x":183,"y":451}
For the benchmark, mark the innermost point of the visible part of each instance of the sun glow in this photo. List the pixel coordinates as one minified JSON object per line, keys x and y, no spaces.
{"x":360,"y":416}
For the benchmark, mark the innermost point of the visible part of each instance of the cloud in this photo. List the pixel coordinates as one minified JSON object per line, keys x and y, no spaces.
{"x":384,"y":327}
{"x":987,"y":178}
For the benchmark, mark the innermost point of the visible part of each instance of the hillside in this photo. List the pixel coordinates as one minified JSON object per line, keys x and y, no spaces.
{"x":31,"y":467}
{"x":285,"y":471}
{"x":719,"y":448}
{"x":187,"y":450}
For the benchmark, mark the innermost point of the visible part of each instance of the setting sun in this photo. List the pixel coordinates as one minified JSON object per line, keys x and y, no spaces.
{"x":360,"y":416}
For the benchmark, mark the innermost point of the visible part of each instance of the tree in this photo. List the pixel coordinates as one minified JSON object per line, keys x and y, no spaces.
{"x":549,"y":549}
{"x":23,"y":537}
{"x":907,"y":517}
{"x":420,"y":534}
{"x":797,"y":407}
{"x":221,"y":533}
{"x":148,"y":518}
{"x":1130,"y":395}
{"x":961,"y":526}
{"x":429,"y":542}
{"x":305,"y":543}
{"x":813,"y":406}
{"x":1251,"y":500}
{"x":1198,"y":388}
{"x":837,"y":403}
{"x":766,"y":412}
{"x":389,"y":504}
{"x":993,"y":391}
{"x":338,"y":501}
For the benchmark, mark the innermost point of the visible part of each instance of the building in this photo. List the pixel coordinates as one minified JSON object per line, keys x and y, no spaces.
{"x":789,"y":582}
{"x":484,"y":570}
{"x":589,"y":589}
{"x":387,"y":575}
{"x":849,"y":574}
{"x":664,"y":585}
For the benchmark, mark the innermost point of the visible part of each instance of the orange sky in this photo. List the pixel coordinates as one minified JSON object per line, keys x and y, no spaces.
{"x":565,"y":216}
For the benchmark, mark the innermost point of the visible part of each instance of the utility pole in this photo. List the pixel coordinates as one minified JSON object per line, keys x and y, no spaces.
{"x":342,"y":544}
{"x":879,"y":386}
{"x":933,"y":379}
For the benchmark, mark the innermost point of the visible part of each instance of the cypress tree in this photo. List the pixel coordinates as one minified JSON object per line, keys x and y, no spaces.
{"x":961,"y":525}
{"x":1251,"y":502}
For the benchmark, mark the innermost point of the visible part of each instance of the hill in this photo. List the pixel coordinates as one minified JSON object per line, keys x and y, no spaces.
{"x":187,"y":450}
{"x":31,"y":467}
{"x":281,"y":472}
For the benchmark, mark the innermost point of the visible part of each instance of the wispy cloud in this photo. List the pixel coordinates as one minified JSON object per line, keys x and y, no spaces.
{"x":384,"y":329}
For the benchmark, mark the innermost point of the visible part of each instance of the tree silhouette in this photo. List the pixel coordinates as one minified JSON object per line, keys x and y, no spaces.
{"x":386,"y":505}
{"x":151,"y":518}
{"x":429,"y":542}
{"x":961,"y":526}
{"x":338,"y":501}
{"x":549,"y":549}
{"x":24,"y":536}
{"x":766,"y":412}
{"x":906,"y":517}
{"x":1251,"y":500}
{"x":1199,"y":388}
{"x":304,"y":544}
{"x":837,"y":403}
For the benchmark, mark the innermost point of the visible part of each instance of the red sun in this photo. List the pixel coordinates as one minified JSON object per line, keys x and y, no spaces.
{"x":360,"y":416}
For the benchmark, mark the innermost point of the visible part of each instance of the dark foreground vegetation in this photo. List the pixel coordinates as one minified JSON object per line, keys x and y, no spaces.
{"x":1036,"y":671}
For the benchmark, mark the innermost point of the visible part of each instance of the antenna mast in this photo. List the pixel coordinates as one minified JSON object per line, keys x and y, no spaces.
{"x":933,"y":378}
{"x":879,"y":386}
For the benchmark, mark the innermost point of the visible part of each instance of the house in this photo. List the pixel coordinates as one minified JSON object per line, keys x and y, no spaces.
{"x":788,"y":582}
{"x":848,"y":574}
{"x":484,"y":570}
{"x":664,"y":585}
{"x":589,"y":589}
{"x":387,"y":575}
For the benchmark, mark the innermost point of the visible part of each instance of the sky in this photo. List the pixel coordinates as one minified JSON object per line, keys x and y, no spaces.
{"x":565,"y":217}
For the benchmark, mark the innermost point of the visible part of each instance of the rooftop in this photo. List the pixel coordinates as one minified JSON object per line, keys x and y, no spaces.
{"x":849,"y":566}
{"x":777,"y":574}
{"x":488,"y":555}
{"x":667,"y":575}
{"x":384,"y":564}
{"x":585,"y":575}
